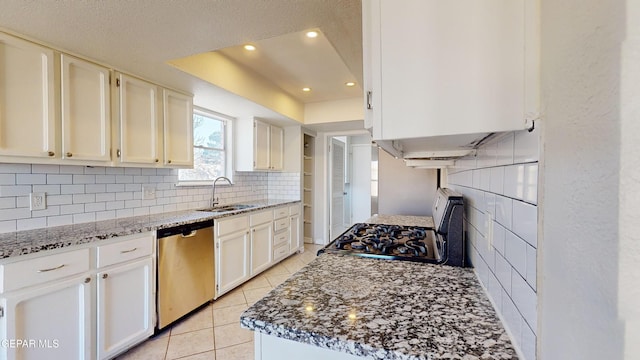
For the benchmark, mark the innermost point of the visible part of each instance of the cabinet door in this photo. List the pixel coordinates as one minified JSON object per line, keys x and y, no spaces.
{"x":86,"y":116}
{"x":125,"y":306}
{"x":261,"y":146}
{"x":27,"y":103}
{"x":56,"y":316}
{"x":178,"y":129}
{"x":139,"y":125}
{"x":295,"y":240}
{"x":466,"y":70}
{"x":232,"y":261}
{"x":261,"y":245}
{"x":276,"y":148}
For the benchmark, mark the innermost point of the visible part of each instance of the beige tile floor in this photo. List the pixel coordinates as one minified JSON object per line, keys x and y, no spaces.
{"x":214,"y":332}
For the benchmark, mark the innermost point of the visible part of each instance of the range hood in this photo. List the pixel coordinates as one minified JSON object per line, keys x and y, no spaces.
{"x":434,"y":152}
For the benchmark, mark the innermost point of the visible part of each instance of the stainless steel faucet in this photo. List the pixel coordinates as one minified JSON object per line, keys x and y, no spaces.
{"x":214,"y":200}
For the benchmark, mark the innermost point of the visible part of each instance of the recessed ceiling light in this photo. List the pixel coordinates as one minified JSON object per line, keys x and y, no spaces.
{"x":306,"y":89}
{"x":312,"y":34}
{"x":350,"y":83}
{"x":249,"y":47}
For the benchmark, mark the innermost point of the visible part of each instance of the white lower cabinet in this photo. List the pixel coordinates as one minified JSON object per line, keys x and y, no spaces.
{"x":51,"y":321}
{"x":296,"y":242}
{"x":50,"y":309}
{"x":247,"y":245}
{"x":261,"y":258}
{"x":232,"y":265}
{"x":125,"y":306}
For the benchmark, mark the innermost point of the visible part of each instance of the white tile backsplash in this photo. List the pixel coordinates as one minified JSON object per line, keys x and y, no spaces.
{"x":516,"y":252}
{"x":525,"y":221}
{"x":500,"y":186}
{"x":77,"y":194}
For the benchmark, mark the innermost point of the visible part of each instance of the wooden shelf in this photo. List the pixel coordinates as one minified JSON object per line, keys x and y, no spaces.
{"x":307,"y":157}
{"x":307,"y":221}
{"x":306,"y":205}
{"x":305,"y":189}
{"x":307,"y":174}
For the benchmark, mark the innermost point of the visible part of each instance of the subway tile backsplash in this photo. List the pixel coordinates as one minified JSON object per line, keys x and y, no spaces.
{"x":78,"y":194}
{"x":500,"y":186}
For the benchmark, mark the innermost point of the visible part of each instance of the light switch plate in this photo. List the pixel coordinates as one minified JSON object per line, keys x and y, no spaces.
{"x":148,"y":192}
{"x":38,"y":201}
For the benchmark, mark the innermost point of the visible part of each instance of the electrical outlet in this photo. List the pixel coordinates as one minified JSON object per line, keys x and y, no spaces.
{"x":148,"y":192}
{"x":38,"y":201}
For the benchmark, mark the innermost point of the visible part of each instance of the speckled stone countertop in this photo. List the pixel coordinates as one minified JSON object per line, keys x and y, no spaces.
{"x":31,"y":241}
{"x":403,"y":220}
{"x":382,"y":309}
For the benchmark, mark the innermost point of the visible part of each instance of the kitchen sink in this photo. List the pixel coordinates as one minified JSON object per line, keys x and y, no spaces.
{"x":228,"y":208}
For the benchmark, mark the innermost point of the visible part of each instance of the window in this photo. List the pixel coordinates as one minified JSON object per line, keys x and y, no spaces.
{"x":211,"y":144}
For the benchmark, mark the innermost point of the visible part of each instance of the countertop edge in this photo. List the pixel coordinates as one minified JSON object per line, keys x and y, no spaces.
{"x":20,"y":243}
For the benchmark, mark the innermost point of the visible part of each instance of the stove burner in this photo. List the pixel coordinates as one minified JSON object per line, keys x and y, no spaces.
{"x":387,"y":240}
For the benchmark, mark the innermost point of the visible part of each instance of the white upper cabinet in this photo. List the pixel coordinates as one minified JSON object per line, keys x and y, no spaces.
{"x":178,"y":129}
{"x":263,"y":151}
{"x":276,"y":148}
{"x":27,"y":100}
{"x":261,"y":146}
{"x":139,"y":123}
{"x":86,"y":111}
{"x":447,"y":68}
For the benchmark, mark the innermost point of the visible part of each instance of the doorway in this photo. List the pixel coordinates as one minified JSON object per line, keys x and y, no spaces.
{"x":349,"y":179}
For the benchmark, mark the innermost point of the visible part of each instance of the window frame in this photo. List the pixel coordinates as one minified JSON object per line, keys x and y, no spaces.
{"x":227,"y":124}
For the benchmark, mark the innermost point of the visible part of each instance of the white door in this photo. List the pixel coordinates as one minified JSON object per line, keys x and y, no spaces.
{"x":277,"y":148}
{"x":27,"y":103}
{"x":361,"y":183}
{"x":261,"y":249}
{"x":125,"y":307}
{"x":86,"y":111}
{"x":261,"y":146}
{"x":232,"y":261}
{"x":337,"y":188}
{"x":56,"y":315}
{"x":139,"y":125}
{"x":178,"y":128}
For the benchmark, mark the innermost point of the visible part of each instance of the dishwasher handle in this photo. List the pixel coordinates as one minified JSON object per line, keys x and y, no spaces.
{"x":191,"y":234}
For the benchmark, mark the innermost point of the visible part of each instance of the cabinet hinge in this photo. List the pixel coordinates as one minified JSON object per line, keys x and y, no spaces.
{"x":217,"y":287}
{"x":109,"y":79}
{"x":117,"y":82}
{"x":1,"y":312}
{"x":217,"y":245}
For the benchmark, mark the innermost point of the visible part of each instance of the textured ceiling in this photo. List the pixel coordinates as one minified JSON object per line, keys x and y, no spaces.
{"x":140,"y":36}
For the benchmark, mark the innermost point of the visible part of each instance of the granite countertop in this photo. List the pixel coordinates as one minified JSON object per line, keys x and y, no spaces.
{"x":403,"y":220}
{"x":382,"y":309}
{"x":32,"y":241}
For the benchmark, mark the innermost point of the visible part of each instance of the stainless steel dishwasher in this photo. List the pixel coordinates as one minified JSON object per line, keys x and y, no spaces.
{"x":185,"y":270}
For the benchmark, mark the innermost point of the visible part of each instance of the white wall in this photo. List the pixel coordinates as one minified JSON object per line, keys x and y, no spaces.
{"x":78,"y":194}
{"x":403,"y":190}
{"x":500,"y":187}
{"x":590,"y":281}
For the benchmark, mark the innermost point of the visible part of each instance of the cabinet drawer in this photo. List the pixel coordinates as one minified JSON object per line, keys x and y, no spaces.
{"x":280,"y":224}
{"x":125,"y":251}
{"x":280,"y":239}
{"x":231,"y":225}
{"x":294,"y":209}
{"x":280,"y":212}
{"x":25,"y":273}
{"x":260,"y":218}
{"x":280,"y":252}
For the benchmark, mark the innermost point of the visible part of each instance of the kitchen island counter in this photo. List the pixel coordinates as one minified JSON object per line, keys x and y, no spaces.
{"x":383,"y":309}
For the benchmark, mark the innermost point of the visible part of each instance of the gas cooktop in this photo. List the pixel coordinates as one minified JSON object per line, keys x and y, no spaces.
{"x":412,"y":243}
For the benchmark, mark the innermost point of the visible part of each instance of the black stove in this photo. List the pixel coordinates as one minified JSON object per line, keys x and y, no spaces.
{"x":395,"y":242}
{"x":443,"y":244}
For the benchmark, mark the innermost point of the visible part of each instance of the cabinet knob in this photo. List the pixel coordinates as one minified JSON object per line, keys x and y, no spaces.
{"x":87,"y":280}
{"x":51,"y":153}
{"x":104,"y":276}
{"x":68,"y":154}
{"x":157,"y":160}
{"x":168,"y":161}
